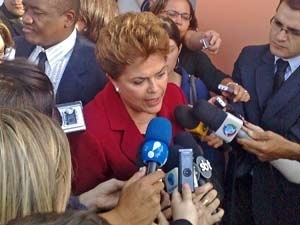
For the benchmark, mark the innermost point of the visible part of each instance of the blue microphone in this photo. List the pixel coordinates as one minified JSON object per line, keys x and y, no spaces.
{"x":154,"y":152}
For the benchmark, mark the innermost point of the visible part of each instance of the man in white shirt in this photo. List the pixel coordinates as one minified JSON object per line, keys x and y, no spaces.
{"x":51,"y":41}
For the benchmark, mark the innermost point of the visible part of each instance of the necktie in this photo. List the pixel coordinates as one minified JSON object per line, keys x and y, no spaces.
{"x":42,"y":61}
{"x":279,"y":75}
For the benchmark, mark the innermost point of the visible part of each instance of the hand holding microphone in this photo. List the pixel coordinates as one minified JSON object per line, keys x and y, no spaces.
{"x":184,"y":117}
{"x":227,"y":127}
{"x":269,"y":146}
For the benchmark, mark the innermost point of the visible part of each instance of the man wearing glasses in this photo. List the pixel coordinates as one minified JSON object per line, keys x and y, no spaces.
{"x":271,"y":74}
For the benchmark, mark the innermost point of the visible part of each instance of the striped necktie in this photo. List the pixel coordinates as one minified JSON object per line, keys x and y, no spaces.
{"x":280,"y":72}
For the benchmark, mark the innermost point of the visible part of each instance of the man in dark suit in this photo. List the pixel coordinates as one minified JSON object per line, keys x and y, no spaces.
{"x":262,"y":195}
{"x":11,"y":12}
{"x":51,"y":41}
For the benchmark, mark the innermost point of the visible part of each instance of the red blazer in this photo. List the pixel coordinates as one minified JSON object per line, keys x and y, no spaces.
{"x":109,"y":146}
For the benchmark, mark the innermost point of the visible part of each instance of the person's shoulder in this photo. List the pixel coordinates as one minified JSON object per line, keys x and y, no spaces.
{"x":84,"y":50}
{"x":84,"y":44}
{"x":253,"y":53}
{"x":255,"y":49}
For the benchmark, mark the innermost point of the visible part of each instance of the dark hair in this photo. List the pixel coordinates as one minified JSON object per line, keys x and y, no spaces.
{"x":23,"y":85}
{"x":159,"y":6}
{"x":293,"y":4}
{"x":171,"y":29}
{"x":66,"y":218}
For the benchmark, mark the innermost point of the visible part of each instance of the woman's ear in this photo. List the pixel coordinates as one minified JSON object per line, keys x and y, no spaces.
{"x":113,"y":82}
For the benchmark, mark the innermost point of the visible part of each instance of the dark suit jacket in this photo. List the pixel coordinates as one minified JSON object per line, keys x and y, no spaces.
{"x":109,"y":146}
{"x":83,"y":77}
{"x":13,"y":23}
{"x":274,"y":199}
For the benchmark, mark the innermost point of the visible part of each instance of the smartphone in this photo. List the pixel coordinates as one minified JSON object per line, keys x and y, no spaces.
{"x":205,"y":43}
{"x":220,"y":102}
{"x":225,"y":88}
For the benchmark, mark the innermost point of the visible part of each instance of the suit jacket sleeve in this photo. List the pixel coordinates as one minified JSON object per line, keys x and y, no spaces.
{"x":199,"y":64}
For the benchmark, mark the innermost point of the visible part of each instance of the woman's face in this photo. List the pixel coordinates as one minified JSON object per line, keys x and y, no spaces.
{"x":2,"y":47}
{"x":179,"y":12}
{"x":143,"y":84}
{"x":172,"y":56}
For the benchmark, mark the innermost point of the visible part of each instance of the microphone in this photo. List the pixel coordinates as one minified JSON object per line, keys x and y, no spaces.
{"x":224,"y":124}
{"x":154,"y":152}
{"x":184,"y":117}
{"x":171,"y":169}
{"x":227,"y":126}
{"x":202,"y":167}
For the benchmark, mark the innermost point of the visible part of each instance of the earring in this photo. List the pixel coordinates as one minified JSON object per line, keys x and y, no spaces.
{"x":117,"y":89}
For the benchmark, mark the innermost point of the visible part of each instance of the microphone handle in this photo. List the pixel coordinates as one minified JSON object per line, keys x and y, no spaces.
{"x":151,"y":167}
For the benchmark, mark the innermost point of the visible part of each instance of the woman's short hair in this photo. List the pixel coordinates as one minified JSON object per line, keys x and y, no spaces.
{"x":96,"y":14}
{"x":130,"y":37}
{"x":66,"y":218}
{"x":23,"y":85}
{"x":35,"y":164}
{"x":159,"y":6}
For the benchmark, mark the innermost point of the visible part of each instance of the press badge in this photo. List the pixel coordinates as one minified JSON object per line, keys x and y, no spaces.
{"x":72,"y":116}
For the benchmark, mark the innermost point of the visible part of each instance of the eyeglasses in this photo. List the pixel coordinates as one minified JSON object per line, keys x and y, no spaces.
{"x":174,"y":14}
{"x":278,"y":27}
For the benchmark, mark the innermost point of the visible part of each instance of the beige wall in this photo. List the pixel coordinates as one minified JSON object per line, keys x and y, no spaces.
{"x":240,"y":23}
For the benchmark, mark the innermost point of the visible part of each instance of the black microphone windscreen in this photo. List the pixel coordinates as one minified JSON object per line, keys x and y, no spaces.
{"x":184,"y":117}
{"x":210,"y":115}
{"x":173,"y":160}
{"x":186,"y":140}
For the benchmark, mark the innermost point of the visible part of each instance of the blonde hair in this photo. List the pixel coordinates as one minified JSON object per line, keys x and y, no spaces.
{"x":128,"y":38}
{"x":35,"y":164}
{"x":96,"y":14}
{"x":6,"y":35}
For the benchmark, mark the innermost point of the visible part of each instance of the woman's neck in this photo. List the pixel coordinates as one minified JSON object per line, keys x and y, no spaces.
{"x":141,"y":119}
{"x":175,"y":78}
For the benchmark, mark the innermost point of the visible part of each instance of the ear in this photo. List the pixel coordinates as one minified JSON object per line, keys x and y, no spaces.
{"x":70,"y":18}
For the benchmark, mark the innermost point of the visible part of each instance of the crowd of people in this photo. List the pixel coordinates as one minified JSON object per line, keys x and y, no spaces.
{"x":127,"y":68}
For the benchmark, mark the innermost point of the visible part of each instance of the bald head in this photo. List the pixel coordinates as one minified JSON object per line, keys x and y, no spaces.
{"x":65,"y":5}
